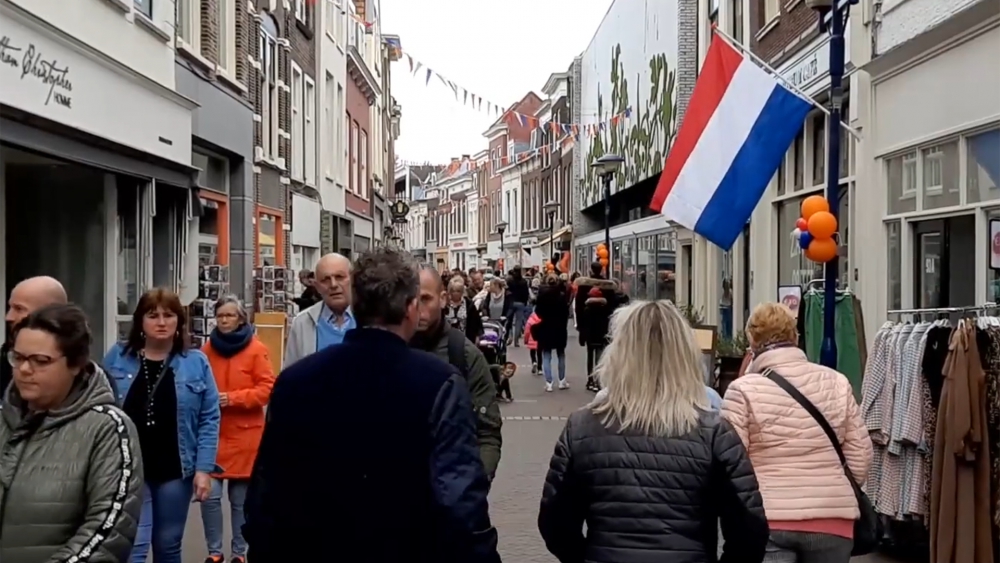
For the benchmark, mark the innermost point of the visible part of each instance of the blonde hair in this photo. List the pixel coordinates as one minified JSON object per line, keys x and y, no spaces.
{"x":771,"y":323}
{"x":456,"y":282}
{"x":652,"y":370}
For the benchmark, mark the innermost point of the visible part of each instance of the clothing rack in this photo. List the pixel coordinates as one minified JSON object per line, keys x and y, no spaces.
{"x":943,"y":310}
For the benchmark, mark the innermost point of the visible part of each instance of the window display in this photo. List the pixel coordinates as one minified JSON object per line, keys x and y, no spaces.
{"x":793,"y":267}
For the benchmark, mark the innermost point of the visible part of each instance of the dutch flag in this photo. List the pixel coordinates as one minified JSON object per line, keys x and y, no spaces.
{"x":738,"y":126}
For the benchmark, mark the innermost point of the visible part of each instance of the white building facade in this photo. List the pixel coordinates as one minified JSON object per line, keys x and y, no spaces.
{"x":930,"y":155}
{"x":331,"y":65}
{"x":510,"y":201}
{"x":95,"y":154}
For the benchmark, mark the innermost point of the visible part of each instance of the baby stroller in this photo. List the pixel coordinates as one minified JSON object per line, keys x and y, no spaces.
{"x":493,"y":345}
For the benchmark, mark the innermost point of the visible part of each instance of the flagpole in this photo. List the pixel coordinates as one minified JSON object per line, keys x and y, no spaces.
{"x":795,"y":89}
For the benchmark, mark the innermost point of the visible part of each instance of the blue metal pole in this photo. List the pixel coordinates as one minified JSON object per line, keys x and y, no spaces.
{"x":828,"y":352}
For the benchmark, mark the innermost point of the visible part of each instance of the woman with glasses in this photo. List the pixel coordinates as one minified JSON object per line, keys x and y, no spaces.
{"x":70,"y":469}
{"x":244,"y":377}
{"x":169,"y":392}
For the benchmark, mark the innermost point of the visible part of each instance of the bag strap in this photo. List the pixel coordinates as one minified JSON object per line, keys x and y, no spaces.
{"x":811,"y":409}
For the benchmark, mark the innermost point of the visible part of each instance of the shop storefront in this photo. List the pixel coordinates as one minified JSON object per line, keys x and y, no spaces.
{"x":643,"y":257}
{"x":776,"y":264}
{"x":95,"y":159}
{"x":937,"y":206}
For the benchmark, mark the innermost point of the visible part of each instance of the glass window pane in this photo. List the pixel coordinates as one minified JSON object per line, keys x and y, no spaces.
{"x":983,"y":159}
{"x":145,"y":7}
{"x":666,"y":266}
{"x":793,"y":267}
{"x":819,"y":150}
{"x":993,"y":276}
{"x":902,"y":188}
{"x":798,"y":161}
{"x":128,"y":247}
{"x":895,"y":267}
{"x":628,"y":268}
{"x":940,"y":175}
{"x":725,"y":294}
{"x":845,"y":220}
{"x":929,"y":269}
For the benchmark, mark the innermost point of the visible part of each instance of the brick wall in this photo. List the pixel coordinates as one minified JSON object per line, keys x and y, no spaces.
{"x":358,"y":110}
{"x":794,"y":27}
{"x":687,"y":53}
{"x":209,"y":39}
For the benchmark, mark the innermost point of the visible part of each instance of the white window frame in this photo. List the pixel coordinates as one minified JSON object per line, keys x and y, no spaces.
{"x":301,"y":11}
{"x":933,"y":162}
{"x":309,"y":130}
{"x":227,"y":38}
{"x":363,"y":163}
{"x":772,"y":10}
{"x":298,"y":147}
{"x":909,"y":176}
{"x":189,"y":17}
{"x":329,"y":122}
{"x":269,"y":94}
{"x":340,"y":154}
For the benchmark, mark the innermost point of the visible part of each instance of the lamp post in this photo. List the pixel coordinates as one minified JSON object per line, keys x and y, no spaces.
{"x":550,"y":211}
{"x":832,"y":18}
{"x":501,"y":227}
{"x":606,"y":167}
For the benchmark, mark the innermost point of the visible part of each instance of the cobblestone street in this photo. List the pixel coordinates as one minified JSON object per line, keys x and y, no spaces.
{"x":531,"y":426}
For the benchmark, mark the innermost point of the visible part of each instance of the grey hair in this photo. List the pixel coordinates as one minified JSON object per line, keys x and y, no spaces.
{"x":384,"y":283}
{"x":232,"y":300}
{"x":456,"y":282}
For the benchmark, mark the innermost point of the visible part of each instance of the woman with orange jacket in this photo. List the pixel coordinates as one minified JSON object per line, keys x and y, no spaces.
{"x":244,"y":377}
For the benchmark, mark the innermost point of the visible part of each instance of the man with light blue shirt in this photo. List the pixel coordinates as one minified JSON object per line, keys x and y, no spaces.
{"x":325,"y":323}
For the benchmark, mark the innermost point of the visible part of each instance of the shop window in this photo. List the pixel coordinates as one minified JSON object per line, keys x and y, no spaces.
{"x":628,"y":280}
{"x":798,"y":161}
{"x":687,"y":254}
{"x":646,"y":268}
{"x":819,"y":150}
{"x":902,"y":188}
{"x":127,"y":235}
{"x":666,"y":266}
{"x":793,"y":267}
{"x":944,"y":274}
{"x":983,"y":161}
{"x":616,"y":261}
{"x":726,"y":294}
{"x":992,"y":276}
{"x":894,"y":267}
{"x":940,"y":175}
{"x":145,"y":7}
{"x":780,"y":175}
{"x":270,"y":238}
{"x":214,"y":173}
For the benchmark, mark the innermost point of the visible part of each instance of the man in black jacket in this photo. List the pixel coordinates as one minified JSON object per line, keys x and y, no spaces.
{"x":593,"y":311}
{"x":520,"y":292}
{"x":391,"y":434}
{"x":26,"y":298}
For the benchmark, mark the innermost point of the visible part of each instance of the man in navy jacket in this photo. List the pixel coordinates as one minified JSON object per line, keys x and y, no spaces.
{"x":369,"y":451}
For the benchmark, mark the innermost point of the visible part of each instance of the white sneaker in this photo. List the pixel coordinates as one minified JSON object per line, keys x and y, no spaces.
{"x":563,"y":384}
{"x":548,"y":387}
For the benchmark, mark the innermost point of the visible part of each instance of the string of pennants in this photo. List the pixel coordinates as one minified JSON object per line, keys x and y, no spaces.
{"x":470,"y":99}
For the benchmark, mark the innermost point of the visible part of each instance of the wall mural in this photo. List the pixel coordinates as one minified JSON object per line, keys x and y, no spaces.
{"x":631,"y":63}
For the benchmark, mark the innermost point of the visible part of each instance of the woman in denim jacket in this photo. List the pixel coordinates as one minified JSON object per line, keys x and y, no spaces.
{"x":170,"y":394}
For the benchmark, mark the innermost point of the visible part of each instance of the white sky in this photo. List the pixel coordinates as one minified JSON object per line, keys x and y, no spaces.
{"x":497,"y":49}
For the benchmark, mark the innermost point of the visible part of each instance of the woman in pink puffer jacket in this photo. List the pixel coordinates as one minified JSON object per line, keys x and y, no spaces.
{"x":808,"y":500}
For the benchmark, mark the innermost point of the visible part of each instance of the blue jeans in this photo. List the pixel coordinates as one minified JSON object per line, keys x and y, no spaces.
{"x":164,"y":516}
{"x":547,"y":364}
{"x":521,"y":312}
{"x":211,"y":517}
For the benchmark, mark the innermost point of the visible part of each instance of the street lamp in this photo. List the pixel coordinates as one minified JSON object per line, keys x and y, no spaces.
{"x":606,"y":167}
{"x":550,"y":210}
{"x":501,"y":227}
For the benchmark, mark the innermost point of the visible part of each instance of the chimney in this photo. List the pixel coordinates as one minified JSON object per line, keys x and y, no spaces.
{"x":465,"y":157}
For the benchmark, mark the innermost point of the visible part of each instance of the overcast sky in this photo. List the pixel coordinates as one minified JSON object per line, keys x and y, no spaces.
{"x":497,"y":49}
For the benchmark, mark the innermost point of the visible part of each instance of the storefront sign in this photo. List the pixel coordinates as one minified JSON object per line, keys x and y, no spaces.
{"x":27,"y":62}
{"x":811,"y":72}
{"x":790,"y":296}
{"x":995,"y":244}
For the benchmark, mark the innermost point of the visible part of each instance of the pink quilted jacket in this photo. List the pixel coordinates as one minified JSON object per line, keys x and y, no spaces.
{"x":798,"y":471}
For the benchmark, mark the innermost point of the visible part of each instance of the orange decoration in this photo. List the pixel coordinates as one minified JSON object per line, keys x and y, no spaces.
{"x":602,"y":253}
{"x":822,"y":225}
{"x":604,"y":262}
{"x":814,"y":204}
{"x":822,"y":250}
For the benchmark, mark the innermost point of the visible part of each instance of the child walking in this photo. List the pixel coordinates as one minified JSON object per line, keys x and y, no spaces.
{"x":532,"y":344}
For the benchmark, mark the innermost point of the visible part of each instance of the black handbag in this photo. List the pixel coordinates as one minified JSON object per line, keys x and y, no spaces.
{"x":868,"y":526}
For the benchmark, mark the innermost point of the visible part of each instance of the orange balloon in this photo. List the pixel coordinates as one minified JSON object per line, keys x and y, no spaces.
{"x":822,"y":250}
{"x":601,"y":245}
{"x":604,"y":262}
{"x":814,"y":204}
{"x":602,"y":253}
{"x":822,"y":225}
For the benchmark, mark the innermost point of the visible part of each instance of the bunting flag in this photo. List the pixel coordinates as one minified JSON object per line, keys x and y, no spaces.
{"x":470,"y":99}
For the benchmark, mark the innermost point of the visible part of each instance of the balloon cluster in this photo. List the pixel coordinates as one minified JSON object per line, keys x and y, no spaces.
{"x":815,"y":230}
{"x":602,"y":255}
{"x":549,"y":266}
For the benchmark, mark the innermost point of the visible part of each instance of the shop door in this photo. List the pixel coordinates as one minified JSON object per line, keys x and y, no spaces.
{"x":943,"y":273}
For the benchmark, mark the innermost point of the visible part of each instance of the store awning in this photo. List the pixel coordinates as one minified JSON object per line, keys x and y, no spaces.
{"x":558,"y":235}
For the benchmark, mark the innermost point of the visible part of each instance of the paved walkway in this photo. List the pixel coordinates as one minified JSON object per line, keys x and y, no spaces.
{"x":532,"y":424}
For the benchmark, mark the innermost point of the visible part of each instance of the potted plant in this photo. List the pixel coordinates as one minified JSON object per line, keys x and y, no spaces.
{"x":730,"y":353}
{"x":692,"y":315}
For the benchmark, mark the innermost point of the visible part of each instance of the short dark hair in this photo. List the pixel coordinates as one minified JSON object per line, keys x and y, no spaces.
{"x":596,"y":268}
{"x":166,"y":299}
{"x":430,"y":269}
{"x":385,"y":281}
{"x":67,"y":323}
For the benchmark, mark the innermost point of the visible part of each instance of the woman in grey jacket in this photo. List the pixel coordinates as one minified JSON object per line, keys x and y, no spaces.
{"x":70,"y":469}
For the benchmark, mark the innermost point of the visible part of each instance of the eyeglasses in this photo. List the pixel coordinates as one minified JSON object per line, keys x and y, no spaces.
{"x":36,"y":361}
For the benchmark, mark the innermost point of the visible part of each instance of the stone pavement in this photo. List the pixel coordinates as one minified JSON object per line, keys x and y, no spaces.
{"x":532,"y":424}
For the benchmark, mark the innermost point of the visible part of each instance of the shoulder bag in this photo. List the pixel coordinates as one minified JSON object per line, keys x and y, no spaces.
{"x":868,"y":526}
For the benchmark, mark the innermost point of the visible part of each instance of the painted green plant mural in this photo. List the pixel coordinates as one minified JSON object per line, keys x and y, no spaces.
{"x":645,"y":137}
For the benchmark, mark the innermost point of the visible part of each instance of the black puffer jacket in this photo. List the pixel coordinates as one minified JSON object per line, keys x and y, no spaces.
{"x":649,"y":499}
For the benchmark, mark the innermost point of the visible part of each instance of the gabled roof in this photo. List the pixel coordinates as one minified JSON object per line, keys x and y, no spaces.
{"x":502,"y":120}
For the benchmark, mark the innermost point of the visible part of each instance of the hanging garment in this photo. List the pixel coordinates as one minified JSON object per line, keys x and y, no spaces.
{"x":849,"y":361}
{"x":988,"y":340}
{"x":960,"y":496}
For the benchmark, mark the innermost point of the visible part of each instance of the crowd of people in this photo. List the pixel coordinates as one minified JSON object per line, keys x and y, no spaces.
{"x":382,"y":434}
